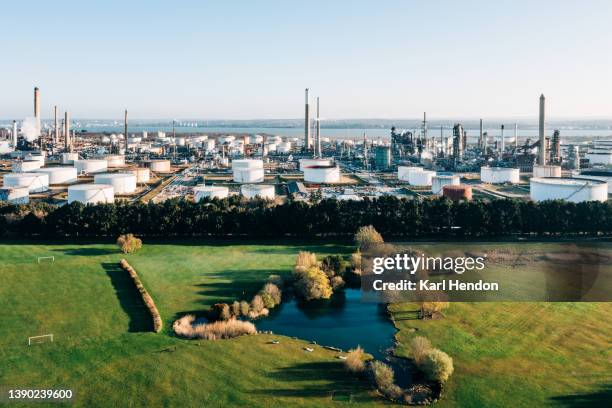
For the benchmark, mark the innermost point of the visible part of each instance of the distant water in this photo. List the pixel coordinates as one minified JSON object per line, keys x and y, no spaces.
{"x":373,"y":133}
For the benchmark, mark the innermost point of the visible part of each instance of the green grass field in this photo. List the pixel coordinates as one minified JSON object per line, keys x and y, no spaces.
{"x":505,"y":354}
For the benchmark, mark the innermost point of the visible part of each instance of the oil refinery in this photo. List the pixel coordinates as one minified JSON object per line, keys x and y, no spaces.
{"x":58,"y":161}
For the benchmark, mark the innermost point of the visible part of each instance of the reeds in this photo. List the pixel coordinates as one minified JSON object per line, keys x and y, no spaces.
{"x":222,"y":329}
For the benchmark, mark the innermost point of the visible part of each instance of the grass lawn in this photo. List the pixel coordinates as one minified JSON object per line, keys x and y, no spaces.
{"x":505,"y":354}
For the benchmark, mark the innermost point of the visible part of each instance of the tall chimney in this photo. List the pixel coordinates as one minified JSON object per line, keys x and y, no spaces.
{"x":515,"y":136}
{"x":307,"y":141}
{"x":318,"y":132}
{"x":542,"y":148}
{"x":480,"y":143}
{"x":125,"y":126}
{"x":37,"y":110}
{"x":67,"y":143}
{"x":56,"y":125}
{"x":503,"y":140}
{"x":15,"y":134}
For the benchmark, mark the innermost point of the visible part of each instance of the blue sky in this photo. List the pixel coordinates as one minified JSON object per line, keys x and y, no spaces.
{"x":253,"y":59}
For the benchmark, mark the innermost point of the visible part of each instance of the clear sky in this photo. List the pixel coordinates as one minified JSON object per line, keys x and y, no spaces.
{"x":253,"y":59}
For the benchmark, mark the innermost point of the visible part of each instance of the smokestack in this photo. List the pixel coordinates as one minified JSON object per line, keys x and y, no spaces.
{"x":125,"y":125}
{"x":307,"y":141}
{"x":56,"y":125}
{"x":480,"y":144}
{"x":318,"y":132}
{"x":15,"y":134}
{"x":515,"y":136}
{"x":67,"y":143}
{"x":503,"y":140}
{"x":542,"y":148}
{"x":37,"y":109}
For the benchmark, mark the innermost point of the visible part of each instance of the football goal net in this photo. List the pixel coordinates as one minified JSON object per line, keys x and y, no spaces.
{"x":40,"y":339}
{"x":46,"y":259}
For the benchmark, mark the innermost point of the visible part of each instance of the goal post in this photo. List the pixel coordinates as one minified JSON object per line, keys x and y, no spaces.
{"x":39,"y":339}
{"x":46,"y":258}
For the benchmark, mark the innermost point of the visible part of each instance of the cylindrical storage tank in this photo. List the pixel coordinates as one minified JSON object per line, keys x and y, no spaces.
{"x":142,"y":175}
{"x":179,"y":141}
{"x":134,"y":140}
{"x":69,"y":158}
{"x":90,"y":166}
{"x":226,"y":139}
{"x":248,"y":171}
{"x":274,"y":139}
{"x":284,"y":147}
{"x":159,"y":166}
{"x":5,"y":147}
{"x":115,"y":161}
{"x":35,"y":182}
{"x":421,"y":178}
{"x":569,"y":189}
{"x":546,"y":171}
{"x":208,"y":145}
{"x":499,"y":175}
{"x":322,"y":174}
{"x":439,"y":181}
{"x":201,"y":192}
{"x":91,"y":194}
{"x":255,"y":139}
{"x":457,"y":192}
{"x":403,"y":172}
{"x":60,"y":175}
{"x":258,"y":190}
{"x":122,"y":183}
{"x":271,"y":147}
{"x":602,"y":175}
{"x":39,"y":157}
{"x":314,"y":162}
{"x":25,"y":166}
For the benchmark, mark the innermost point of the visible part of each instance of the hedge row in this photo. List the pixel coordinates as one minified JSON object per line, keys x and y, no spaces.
{"x":146,"y":298}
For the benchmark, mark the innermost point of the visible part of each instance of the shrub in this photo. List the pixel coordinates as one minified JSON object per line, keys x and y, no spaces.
{"x":257,"y":304}
{"x":267,"y":300}
{"x":128,"y":243}
{"x":336,"y":282}
{"x":366,"y":236}
{"x":225,"y":329}
{"x":313,"y":284}
{"x":305,"y":260}
{"x":334,"y":265}
{"x":244,"y":308}
{"x":356,"y":261}
{"x":437,"y":365}
{"x":430,"y":308}
{"x":221,"y":311}
{"x":146,"y":298}
{"x":274,"y":292}
{"x":383,"y":376}
{"x":354,"y":361}
{"x":276,"y":280}
{"x":419,"y":347}
{"x":262,"y":313}
{"x":236,"y":308}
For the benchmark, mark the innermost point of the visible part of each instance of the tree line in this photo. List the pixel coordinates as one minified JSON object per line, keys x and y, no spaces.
{"x":393,"y":217}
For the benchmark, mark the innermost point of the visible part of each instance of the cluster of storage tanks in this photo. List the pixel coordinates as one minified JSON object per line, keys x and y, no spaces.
{"x":417,"y":176}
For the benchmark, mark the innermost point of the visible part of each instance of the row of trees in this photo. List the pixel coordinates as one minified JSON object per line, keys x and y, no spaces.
{"x":391,"y":216}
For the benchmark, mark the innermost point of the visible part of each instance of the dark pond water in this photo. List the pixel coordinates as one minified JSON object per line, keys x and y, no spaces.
{"x":344,"y":321}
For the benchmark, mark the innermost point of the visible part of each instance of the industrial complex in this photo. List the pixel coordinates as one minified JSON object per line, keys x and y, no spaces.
{"x":53,"y":162}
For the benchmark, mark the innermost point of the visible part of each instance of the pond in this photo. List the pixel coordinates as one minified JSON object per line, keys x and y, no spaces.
{"x":343,"y":321}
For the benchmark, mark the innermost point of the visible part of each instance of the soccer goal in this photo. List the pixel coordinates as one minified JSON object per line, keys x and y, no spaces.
{"x":46,"y":259}
{"x":40,"y":339}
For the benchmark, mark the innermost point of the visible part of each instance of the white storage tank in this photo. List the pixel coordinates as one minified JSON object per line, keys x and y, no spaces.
{"x":570,"y":189}
{"x":421,"y":178}
{"x":226,"y":139}
{"x":599,"y":156}
{"x":123,"y":183}
{"x":5,"y":147}
{"x":403,"y":172}
{"x":91,"y":194}
{"x":258,"y":190}
{"x":248,"y":171}
{"x":201,"y":192}
{"x":602,"y":175}
{"x":40,"y":156}
{"x":322,"y":174}
{"x":271,"y":147}
{"x":179,"y":141}
{"x":115,"y":161}
{"x":314,"y":162}
{"x":69,"y":158}
{"x":159,"y":166}
{"x":208,"y":145}
{"x":546,"y":171}
{"x":35,"y":182}
{"x":90,"y":166}
{"x":439,"y":181}
{"x":255,"y":139}
{"x":499,"y":175}
{"x":25,"y":166}
{"x":15,"y":195}
{"x":60,"y":175}
{"x":142,"y":175}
